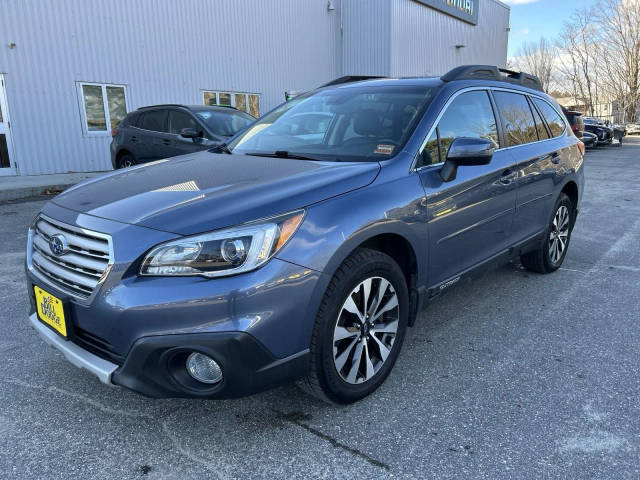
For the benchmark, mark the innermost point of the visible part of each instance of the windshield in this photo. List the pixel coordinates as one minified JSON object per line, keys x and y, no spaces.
{"x":224,"y":123}
{"x":364,"y":123}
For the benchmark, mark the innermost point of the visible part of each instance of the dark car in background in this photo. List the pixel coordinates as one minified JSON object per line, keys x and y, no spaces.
{"x":599,"y":129}
{"x":589,"y":139}
{"x":575,"y":120}
{"x":162,"y":131}
{"x":307,"y":247}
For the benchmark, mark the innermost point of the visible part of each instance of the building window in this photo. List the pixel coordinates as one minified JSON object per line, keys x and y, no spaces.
{"x":247,"y":102}
{"x":103,"y":105}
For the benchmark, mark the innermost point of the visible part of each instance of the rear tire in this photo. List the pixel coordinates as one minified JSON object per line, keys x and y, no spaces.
{"x":126,"y":160}
{"x":548,"y":257}
{"x":359,"y":329}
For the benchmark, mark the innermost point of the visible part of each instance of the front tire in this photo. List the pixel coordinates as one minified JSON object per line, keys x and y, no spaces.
{"x":359,"y":329}
{"x":553,"y":249}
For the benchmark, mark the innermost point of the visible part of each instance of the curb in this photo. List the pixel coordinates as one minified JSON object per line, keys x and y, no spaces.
{"x":35,"y":191}
{"x":40,"y":185}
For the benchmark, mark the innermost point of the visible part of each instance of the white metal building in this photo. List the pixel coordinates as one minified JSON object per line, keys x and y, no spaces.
{"x":69,"y":69}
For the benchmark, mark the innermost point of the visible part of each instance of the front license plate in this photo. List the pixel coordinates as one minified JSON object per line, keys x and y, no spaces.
{"x":51,"y":311}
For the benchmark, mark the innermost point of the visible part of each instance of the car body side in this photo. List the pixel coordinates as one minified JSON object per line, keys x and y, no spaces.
{"x":406,"y":211}
{"x":402,"y":209}
{"x":149,"y":145}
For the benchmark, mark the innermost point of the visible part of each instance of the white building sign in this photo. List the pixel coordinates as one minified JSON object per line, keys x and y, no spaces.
{"x":465,"y":10}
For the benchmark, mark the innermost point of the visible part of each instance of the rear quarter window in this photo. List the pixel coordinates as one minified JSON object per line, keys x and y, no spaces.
{"x":552,"y":117}
{"x":130,"y":120}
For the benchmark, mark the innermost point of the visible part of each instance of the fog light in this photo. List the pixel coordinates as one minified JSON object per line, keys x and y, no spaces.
{"x":203,"y":368}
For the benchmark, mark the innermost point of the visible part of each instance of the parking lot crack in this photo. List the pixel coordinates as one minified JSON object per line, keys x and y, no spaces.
{"x":214,"y":468}
{"x":82,"y":398}
{"x":211,"y":466}
{"x":298,"y":418}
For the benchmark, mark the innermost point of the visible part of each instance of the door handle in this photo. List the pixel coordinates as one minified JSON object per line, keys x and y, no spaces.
{"x":134,"y":138}
{"x":555,"y":158}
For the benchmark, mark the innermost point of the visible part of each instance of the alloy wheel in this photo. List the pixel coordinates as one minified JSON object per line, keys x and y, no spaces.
{"x":559,"y":235}
{"x":365,"y":330}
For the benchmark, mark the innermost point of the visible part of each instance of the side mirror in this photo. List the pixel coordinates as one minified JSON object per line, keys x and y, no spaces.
{"x":466,"y":151}
{"x":190,"y":133}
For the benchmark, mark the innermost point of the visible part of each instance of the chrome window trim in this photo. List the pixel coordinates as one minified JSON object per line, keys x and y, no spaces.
{"x":35,"y":273}
{"x":484,"y":88}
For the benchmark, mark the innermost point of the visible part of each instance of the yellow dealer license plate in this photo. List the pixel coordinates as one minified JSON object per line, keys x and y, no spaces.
{"x":51,"y":311}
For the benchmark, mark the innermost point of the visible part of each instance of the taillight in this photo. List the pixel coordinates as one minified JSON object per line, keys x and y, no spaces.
{"x":114,"y":132}
{"x":581,"y":148}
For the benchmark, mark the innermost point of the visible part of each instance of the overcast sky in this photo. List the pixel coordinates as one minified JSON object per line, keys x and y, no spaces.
{"x":531,"y":19}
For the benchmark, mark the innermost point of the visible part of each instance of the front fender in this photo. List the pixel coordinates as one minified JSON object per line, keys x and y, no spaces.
{"x":334,"y":228}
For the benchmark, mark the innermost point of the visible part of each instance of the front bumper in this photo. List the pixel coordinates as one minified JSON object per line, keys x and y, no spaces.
{"x":155,"y":365}
{"x":81,"y":358}
{"x":134,"y":331}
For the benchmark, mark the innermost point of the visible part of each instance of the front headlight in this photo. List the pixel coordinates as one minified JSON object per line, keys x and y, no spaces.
{"x":223,"y":252}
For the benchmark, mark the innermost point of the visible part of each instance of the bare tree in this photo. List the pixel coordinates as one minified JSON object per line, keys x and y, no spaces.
{"x":578,"y":58}
{"x":619,"y":35}
{"x":538,"y":58}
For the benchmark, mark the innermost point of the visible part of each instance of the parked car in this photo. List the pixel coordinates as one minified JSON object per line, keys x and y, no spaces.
{"x":575,"y":120}
{"x":633,"y":129}
{"x":162,"y":131}
{"x":599,"y":129}
{"x":619,"y":132}
{"x":589,"y":139}
{"x":298,"y":257}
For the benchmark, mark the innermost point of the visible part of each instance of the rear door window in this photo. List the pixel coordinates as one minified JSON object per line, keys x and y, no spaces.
{"x":154,"y":120}
{"x":469,"y":115}
{"x":556,"y":125}
{"x":519,"y":125}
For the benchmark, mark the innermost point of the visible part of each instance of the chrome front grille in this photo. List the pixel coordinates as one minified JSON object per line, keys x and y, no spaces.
{"x":81,"y":268}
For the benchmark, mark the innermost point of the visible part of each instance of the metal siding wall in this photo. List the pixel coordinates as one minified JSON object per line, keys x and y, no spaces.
{"x":164,"y":51}
{"x":423,"y":39}
{"x":366,"y":37}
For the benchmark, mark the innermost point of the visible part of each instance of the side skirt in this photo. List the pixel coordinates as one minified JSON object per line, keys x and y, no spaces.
{"x":426,"y":294}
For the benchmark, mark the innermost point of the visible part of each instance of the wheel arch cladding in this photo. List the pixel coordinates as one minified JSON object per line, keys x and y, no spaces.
{"x":122,"y":152}
{"x":399,"y":248}
{"x":570,"y":189}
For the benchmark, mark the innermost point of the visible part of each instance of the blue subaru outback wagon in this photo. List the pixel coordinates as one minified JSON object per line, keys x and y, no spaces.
{"x":305,"y":247}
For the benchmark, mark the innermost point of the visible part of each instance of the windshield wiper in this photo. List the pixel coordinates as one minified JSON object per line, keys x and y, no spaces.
{"x":281,"y":154}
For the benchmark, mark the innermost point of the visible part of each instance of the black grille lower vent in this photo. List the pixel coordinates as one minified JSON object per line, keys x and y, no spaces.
{"x":96,"y":345}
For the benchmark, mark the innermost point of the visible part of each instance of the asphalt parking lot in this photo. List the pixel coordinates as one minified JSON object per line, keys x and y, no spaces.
{"x":513,"y":375}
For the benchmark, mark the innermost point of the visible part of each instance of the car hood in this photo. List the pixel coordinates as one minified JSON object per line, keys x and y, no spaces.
{"x":206,"y":191}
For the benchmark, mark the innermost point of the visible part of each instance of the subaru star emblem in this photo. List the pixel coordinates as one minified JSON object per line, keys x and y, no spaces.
{"x":58,"y":244}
